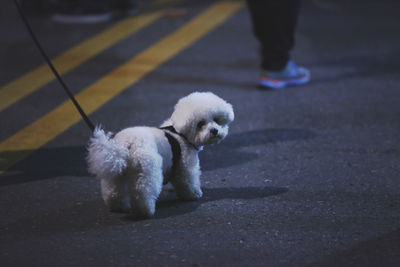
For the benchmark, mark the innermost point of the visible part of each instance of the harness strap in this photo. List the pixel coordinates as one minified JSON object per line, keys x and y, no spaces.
{"x":172,"y":130}
{"x":175,"y":147}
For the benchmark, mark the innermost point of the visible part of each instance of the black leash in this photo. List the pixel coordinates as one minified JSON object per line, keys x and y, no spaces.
{"x":71,"y":96}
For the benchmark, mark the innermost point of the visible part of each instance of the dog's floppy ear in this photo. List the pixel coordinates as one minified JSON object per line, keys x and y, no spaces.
{"x":167,"y":123}
{"x":229,"y":112}
{"x":182,"y":117}
{"x":182,"y":122}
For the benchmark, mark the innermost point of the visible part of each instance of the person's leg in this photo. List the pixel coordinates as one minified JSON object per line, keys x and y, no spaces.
{"x":274,"y":25}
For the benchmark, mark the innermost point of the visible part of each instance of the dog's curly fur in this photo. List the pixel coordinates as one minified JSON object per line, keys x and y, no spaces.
{"x":133,"y":165}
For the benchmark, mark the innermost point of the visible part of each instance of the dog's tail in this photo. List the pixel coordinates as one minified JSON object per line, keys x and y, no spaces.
{"x":106,"y":158}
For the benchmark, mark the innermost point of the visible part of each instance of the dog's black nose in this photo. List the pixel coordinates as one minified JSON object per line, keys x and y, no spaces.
{"x":214,"y":131}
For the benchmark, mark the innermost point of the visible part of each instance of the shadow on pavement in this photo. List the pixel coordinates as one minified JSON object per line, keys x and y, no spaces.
{"x":174,"y":207}
{"x":380,"y":251}
{"x":70,"y":161}
{"x":354,"y":67}
{"x":230,"y":152}
{"x":96,"y":216}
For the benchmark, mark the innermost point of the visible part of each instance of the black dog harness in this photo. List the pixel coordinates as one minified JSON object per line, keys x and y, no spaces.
{"x":175,"y":146}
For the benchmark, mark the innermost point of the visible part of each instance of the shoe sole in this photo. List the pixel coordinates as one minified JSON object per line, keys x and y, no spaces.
{"x":278,"y":84}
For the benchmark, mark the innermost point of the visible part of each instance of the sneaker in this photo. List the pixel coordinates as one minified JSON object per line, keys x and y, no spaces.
{"x":290,"y":75}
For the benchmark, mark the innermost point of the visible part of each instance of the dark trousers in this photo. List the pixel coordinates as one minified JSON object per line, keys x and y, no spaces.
{"x":274,"y":25}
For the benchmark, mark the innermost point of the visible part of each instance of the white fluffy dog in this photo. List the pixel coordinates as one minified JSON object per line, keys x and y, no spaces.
{"x":134,"y":164}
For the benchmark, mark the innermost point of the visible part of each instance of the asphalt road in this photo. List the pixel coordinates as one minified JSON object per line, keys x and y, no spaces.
{"x":308,"y":176}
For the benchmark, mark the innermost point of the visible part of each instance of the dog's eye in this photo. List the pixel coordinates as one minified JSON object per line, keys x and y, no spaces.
{"x":201,"y":124}
{"x":219,"y":120}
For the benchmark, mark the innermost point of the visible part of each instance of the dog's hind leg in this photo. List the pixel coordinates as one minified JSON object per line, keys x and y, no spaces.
{"x":115,"y":194}
{"x":145,"y":185}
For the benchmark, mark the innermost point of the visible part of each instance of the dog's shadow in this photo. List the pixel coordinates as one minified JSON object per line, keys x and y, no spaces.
{"x":230,"y":152}
{"x":92,"y":215}
{"x":171,"y":206}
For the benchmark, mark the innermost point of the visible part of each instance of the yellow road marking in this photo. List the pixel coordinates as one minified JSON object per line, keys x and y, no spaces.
{"x":35,"y":135}
{"x":75,"y":56}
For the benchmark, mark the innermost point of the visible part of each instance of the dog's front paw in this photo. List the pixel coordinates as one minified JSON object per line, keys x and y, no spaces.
{"x":143,"y":208}
{"x":191,"y":194}
{"x":120,"y":209}
{"x":138,"y":214}
{"x":117,"y":205}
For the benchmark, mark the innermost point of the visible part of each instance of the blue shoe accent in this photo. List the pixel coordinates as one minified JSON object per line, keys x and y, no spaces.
{"x":290,"y":75}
